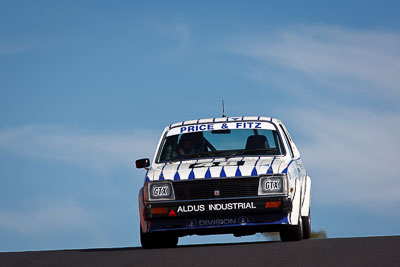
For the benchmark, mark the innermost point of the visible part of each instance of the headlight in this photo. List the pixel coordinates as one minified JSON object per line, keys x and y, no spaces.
{"x":160,"y":191}
{"x":270,"y":185}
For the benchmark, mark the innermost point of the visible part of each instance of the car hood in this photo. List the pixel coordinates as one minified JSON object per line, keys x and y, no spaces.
{"x":217,"y":168}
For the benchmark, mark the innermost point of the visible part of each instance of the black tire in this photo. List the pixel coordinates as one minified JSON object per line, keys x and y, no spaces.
{"x":292,"y":232}
{"x":170,"y":241}
{"x":147,"y":240}
{"x":306,"y":220}
{"x":158,"y":240}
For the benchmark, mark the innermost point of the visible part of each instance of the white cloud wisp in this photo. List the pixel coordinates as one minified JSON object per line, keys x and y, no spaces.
{"x":99,"y":152}
{"x":341,"y":60}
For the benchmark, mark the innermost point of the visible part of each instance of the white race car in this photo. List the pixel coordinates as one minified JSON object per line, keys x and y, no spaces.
{"x":238,"y":175}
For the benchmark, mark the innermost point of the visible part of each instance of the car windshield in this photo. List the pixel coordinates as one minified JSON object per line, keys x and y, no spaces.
{"x":220,"y":143}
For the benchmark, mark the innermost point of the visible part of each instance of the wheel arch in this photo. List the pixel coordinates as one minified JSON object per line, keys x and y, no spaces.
{"x":143,"y":221}
{"x":305,"y":207}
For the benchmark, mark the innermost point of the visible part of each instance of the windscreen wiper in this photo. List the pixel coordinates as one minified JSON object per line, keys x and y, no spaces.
{"x":228,"y":156}
{"x":199,"y":155}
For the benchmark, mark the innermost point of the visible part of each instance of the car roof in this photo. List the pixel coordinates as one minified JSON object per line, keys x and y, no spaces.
{"x":224,"y":119}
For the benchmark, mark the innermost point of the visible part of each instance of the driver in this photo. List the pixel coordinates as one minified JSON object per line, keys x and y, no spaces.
{"x":190,"y":143}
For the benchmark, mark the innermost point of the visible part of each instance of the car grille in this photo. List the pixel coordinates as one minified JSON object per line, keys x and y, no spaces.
{"x":205,"y":188}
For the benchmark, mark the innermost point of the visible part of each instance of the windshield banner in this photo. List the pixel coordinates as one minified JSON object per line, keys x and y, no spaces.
{"x":221,"y":126}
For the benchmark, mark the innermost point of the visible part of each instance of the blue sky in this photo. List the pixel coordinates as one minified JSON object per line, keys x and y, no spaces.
{"x":86,"y":87}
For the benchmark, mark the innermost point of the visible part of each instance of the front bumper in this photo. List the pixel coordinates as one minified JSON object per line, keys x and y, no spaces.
{"x":257,"y":214}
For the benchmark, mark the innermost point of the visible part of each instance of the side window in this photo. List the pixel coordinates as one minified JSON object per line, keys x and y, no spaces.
{"x":287,"y":141}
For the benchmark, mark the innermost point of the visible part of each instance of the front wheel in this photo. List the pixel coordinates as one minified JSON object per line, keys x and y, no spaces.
{"x":292,"y":232}
{"x":306,"y":220}
{"x":158,"y":240}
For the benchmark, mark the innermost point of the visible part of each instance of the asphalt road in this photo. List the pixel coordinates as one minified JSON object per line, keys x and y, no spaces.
{"x":338,"y":252}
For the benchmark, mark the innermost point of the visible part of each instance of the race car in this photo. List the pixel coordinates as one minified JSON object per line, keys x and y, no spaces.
{"x":237,"y":175}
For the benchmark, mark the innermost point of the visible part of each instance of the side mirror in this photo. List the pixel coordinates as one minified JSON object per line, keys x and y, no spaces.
{"x":142,"y":163}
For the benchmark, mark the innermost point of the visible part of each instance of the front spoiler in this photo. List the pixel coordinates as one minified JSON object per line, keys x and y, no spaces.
{"x":233,"y":224}
{"x":199,"y":217}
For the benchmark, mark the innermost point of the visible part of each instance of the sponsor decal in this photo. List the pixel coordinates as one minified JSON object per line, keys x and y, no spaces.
{"x":172,"y":213}
{"x":272,"y":185}
{"x":160,"y":191}
{"x":221,"y":126}
{"x":191,"y":223}
{"x":212,"y":222}
{"x":216,"y":207}
{"x":217,"y":221}
{"x":231,"y":206}
{"x":249,"y":124}
{"x":217,"y":163}
{"x":196,"y":128}
{"x":243,"y":220}
{"x":191,"y":208}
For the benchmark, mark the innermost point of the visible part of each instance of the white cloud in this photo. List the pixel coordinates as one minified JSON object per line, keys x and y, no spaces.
{"x":41,"y":221}
{"x":48,"y":218}
{"x":338,"y":59}
{"x":101,"y":152}
{"x":353,"y":155}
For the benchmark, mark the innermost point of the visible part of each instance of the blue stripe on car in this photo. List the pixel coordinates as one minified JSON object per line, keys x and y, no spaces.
{"x":161,"y":177}
{"x":222,"y":174}
{"x":254,"y":171}
{"x":177,"y":176}
{"x":208,"y":173}
{"x":191,"y":175}
{"x":270,"y":170}
{"x":238,"y":172}
{"x":287,"y":167}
